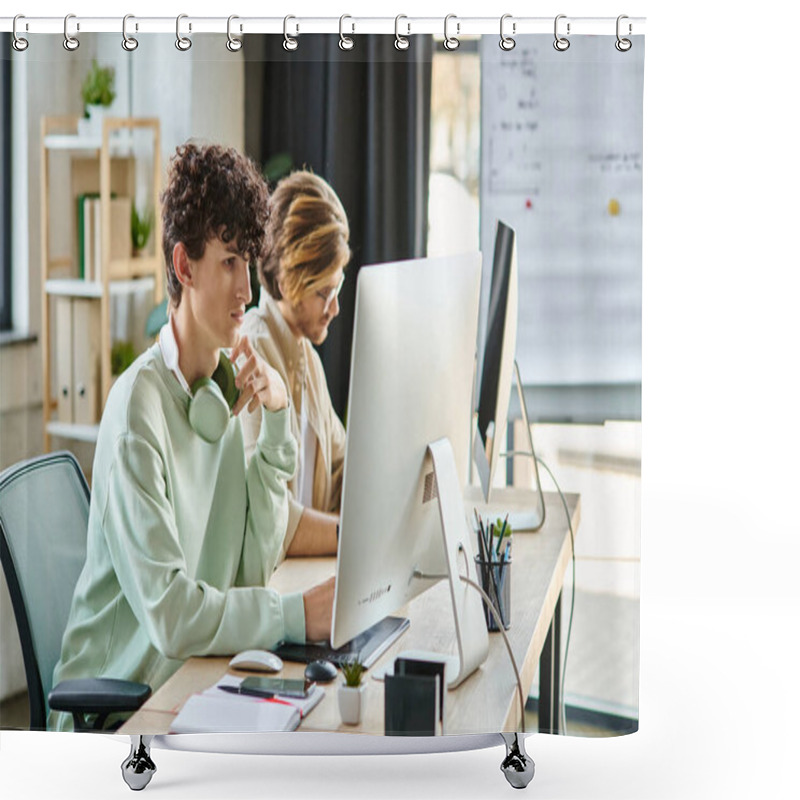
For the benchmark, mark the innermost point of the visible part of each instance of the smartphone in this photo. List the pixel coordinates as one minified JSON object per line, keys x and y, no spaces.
{"x":267,"y":687}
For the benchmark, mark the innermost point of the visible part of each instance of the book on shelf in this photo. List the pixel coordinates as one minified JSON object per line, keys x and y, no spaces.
{"x":90,"y":252}
{"x":121,"y":240}
{"x":97,"y":241}
{"x":85,"y":229}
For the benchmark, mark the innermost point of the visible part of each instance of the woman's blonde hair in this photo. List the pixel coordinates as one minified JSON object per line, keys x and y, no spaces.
{"x":307,"y":237}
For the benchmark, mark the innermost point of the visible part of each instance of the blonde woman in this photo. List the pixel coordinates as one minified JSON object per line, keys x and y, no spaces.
{"x":301,"y":277}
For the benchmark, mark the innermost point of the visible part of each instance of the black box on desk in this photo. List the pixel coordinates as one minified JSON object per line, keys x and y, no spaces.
{"x":414,"y":698}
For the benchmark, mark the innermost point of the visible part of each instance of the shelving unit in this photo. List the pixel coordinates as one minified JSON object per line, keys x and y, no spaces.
{"x":105,"y":166}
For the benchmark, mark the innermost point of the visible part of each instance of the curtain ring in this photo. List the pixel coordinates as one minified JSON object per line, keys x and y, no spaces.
{"x":450,"y":42}
{"x":70,"y":42}
{"x":234,"y":44}
{"x":345,"y":42}
{"x":401,"y":42}
{"x":561,"y":43}
{"x":506,"y":42}
{"x":128,"y":42}
{"x":623,"y":45}
{"x":289,"y":43}
{"x":183,"y":43}
{"x":19,"y":44}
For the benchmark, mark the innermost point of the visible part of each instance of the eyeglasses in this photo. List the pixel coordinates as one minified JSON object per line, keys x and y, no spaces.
{"x":329,"y":294}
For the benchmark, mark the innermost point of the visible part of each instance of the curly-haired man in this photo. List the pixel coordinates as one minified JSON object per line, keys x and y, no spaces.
{"x":182,"y":536}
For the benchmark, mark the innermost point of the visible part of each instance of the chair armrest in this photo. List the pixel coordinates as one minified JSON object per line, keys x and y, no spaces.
{"x":98,"y":696}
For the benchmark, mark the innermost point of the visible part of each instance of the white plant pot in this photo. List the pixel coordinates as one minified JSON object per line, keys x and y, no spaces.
{"x":351,"y":703}
{"x":92,"y":127}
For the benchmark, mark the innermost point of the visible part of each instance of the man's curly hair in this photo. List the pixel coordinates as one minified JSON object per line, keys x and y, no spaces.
{"x":212,"y":191}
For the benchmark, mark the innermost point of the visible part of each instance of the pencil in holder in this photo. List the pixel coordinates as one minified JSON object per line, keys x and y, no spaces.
{"x":495,"y":579}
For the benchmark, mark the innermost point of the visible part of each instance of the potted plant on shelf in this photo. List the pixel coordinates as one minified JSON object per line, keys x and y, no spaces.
{"x":141,"y":225}
{"x":123,"y":354}
{"x":97,"y":91}
{"x":352,"y":693}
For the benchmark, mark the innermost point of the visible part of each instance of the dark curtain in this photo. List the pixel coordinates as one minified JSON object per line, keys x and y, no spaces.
{"x":361,"y":120}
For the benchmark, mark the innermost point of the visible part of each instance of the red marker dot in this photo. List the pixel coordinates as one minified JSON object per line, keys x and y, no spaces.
{"x":528,"y":203}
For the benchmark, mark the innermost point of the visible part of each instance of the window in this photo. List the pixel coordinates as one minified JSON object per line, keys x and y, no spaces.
{"x":454,"y":203}
{"x":5,"y":185}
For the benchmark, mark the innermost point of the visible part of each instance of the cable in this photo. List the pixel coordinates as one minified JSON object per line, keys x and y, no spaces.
{"x":499,"y":621}
{"x":572,"y":603}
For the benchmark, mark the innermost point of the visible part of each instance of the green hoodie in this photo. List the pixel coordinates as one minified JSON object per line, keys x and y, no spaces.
{"x":182,"y":539}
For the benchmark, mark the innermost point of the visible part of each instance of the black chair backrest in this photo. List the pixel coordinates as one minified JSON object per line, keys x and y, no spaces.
{"x":44,"y":515}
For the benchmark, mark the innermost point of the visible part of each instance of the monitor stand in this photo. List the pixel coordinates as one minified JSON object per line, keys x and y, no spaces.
{"x":470,"y":623}
{"x":528,"y":520}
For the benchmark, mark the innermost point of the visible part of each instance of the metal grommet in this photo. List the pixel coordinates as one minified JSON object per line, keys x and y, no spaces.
{"x":289,"y":43}
{"x":506,"y":42}
{"x":70,"y":42}
{"x":128,"y":42}
{"x":183,"y":43}
{"x":19,"y":43}
{"x":561,"y":43}
{"x":234,"y":44}
{"x":623,"y":45}
{"x":450,"y":42}
{"x":345,"y":42}
{"x":401,"y":42}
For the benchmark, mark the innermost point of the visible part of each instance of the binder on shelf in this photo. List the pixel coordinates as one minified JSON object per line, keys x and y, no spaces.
{"x":62,"y":333}
{"x":86,"y":361}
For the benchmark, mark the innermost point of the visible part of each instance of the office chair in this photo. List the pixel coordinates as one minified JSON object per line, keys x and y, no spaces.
{"x":44,"y":513}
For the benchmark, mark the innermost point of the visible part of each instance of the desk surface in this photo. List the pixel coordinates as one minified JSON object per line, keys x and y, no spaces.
{"x":486,"y":701}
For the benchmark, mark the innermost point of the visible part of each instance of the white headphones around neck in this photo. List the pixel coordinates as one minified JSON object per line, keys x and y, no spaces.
{"x":212,"y":401}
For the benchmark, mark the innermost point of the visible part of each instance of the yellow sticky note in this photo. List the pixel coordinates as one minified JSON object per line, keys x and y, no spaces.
{"x":613,"y":207}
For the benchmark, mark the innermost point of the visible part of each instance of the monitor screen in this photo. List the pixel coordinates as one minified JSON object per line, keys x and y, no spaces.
{"x":498,"y":355}
{"x":410,"y":385}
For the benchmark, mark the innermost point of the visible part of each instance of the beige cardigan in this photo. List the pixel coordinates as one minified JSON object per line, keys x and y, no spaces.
{"x":297,"y":362}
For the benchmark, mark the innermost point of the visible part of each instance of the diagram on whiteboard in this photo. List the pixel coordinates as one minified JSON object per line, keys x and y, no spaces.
{"x":561,"y":162}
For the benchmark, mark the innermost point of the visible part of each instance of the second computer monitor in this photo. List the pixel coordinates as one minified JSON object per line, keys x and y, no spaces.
{"x":498,"y":357}
{"x":410,"y":385}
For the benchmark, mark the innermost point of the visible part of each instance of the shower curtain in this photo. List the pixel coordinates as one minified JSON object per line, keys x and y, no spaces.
{"x":427,"y":147}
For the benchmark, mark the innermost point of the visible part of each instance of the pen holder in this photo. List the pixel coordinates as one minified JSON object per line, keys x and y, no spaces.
{"x":495,"y":579}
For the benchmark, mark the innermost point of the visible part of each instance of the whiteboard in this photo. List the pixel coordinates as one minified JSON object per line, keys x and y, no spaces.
{"x":561,"y":162}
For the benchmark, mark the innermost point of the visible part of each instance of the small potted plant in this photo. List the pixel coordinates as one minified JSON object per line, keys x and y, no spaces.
{"x":352,"y":693}
{"x":141,"y":225}
{"x":97,"y":91}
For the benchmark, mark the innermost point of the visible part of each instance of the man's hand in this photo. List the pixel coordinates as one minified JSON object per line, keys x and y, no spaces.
{"x":318,"y":606}
{"x":257,"y":381}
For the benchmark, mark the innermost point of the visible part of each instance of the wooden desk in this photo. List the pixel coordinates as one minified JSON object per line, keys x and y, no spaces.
{"x":487,"y":700}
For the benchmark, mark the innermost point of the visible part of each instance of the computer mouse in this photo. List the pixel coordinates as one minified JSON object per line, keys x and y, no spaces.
{"x":257,"y":660}
{"x":320,"y":671}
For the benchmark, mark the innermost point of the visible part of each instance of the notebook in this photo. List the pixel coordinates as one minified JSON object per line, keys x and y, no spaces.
{"x":218,"y":711}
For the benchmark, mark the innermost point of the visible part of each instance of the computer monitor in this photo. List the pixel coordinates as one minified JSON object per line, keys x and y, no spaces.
{"x":498,"y":369}
{"x":407,"y":449}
